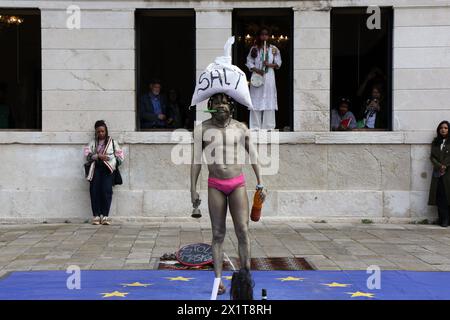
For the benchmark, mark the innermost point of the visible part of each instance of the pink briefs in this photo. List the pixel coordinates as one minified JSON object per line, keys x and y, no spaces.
{"x":227,"y":186}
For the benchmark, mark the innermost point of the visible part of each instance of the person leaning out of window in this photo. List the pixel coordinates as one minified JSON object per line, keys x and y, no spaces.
{"x":342,"y":118}
{"x":103,"y":155}
{"x":440,"y":180}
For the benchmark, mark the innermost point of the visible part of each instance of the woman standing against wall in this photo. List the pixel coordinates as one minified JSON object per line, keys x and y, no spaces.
{"x":104,"y":156}
{"x":440,"y":181}
{"x":262,"y":60}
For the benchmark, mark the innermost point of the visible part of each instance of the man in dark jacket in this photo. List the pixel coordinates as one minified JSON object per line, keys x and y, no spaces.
{"x":6,"y":119}
{"x":153,"y":108}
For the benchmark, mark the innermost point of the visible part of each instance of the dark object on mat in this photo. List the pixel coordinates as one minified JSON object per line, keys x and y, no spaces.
{"x":87,"y":167}
{"x":117,"y":180}
{"x":242,"y":285}
{"x":264,"y":294}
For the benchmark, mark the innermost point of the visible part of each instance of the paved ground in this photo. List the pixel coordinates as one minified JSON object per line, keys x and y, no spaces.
{"x":327,"y":246}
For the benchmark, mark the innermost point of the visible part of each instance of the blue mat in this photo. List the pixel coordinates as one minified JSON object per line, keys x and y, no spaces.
{"x":196,"y":285}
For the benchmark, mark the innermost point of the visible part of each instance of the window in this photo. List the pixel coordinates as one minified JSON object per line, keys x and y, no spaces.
{"x":20,"y":65}
{"x":361,"y":68}
{"x":280,"y":23}
{"x":165,"y":60}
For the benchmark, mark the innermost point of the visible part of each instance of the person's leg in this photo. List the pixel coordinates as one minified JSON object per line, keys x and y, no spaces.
{"x":106,"y":192}
{"x":269,"y":121}
{"x":217,"y":204}
{"x":239,"y":209}
{"x":255,"y":119}
{"x":442,"y":204}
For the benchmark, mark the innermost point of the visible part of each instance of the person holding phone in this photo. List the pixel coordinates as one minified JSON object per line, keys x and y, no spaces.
{"x":262,"y":60}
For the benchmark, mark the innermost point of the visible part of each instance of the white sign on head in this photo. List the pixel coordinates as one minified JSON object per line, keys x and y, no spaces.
{"x":223,"y":77}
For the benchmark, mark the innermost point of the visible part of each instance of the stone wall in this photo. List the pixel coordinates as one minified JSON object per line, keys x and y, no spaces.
{"x":87,"y":74}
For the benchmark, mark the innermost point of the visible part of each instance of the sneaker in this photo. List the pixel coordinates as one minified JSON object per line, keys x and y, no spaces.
{"x":96,"y":221}
{"x":106,"y":221}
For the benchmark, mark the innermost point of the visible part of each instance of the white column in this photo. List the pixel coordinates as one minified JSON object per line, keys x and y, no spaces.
{"x":421,"y":87}
{"x":311,"y":70}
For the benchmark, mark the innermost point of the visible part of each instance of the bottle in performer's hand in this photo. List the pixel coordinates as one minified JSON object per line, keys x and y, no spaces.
{"x":257,"y":206}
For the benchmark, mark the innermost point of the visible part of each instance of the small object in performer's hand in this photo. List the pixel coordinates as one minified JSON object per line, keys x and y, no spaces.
{"x":196,"y":212}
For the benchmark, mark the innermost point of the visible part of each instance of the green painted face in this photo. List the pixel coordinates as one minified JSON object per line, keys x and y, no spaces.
{"x":101,"y":132}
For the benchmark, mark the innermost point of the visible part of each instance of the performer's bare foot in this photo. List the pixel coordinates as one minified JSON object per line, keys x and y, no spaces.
{"x":222,"y":288}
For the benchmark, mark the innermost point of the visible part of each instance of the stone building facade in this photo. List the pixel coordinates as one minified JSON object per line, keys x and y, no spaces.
{"x":89,"y":74}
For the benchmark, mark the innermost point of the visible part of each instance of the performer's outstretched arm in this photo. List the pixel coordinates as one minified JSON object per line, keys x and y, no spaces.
{"x":195,"y":172}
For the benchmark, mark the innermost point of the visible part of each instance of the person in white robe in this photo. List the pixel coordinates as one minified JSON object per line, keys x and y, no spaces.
{"x":264,"y":97}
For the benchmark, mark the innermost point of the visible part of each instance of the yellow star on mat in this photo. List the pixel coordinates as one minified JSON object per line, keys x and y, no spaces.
{"x":227,"y":277}
{"x":136,"y":284}
{"x":336,"y":284}
{"x":114,"y":294}
{"x":360,"y":294}
{"x":178,"y":278}
{"x":291,"y":279}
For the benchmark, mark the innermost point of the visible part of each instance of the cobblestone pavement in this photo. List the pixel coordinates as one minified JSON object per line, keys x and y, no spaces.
{"x":327,"y":246}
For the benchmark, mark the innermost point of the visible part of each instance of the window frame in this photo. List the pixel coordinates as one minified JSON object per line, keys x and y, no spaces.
{"x":389,"y":67}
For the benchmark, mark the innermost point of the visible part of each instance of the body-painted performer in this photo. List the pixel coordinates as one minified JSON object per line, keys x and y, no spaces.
{"x":220,"y":140}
